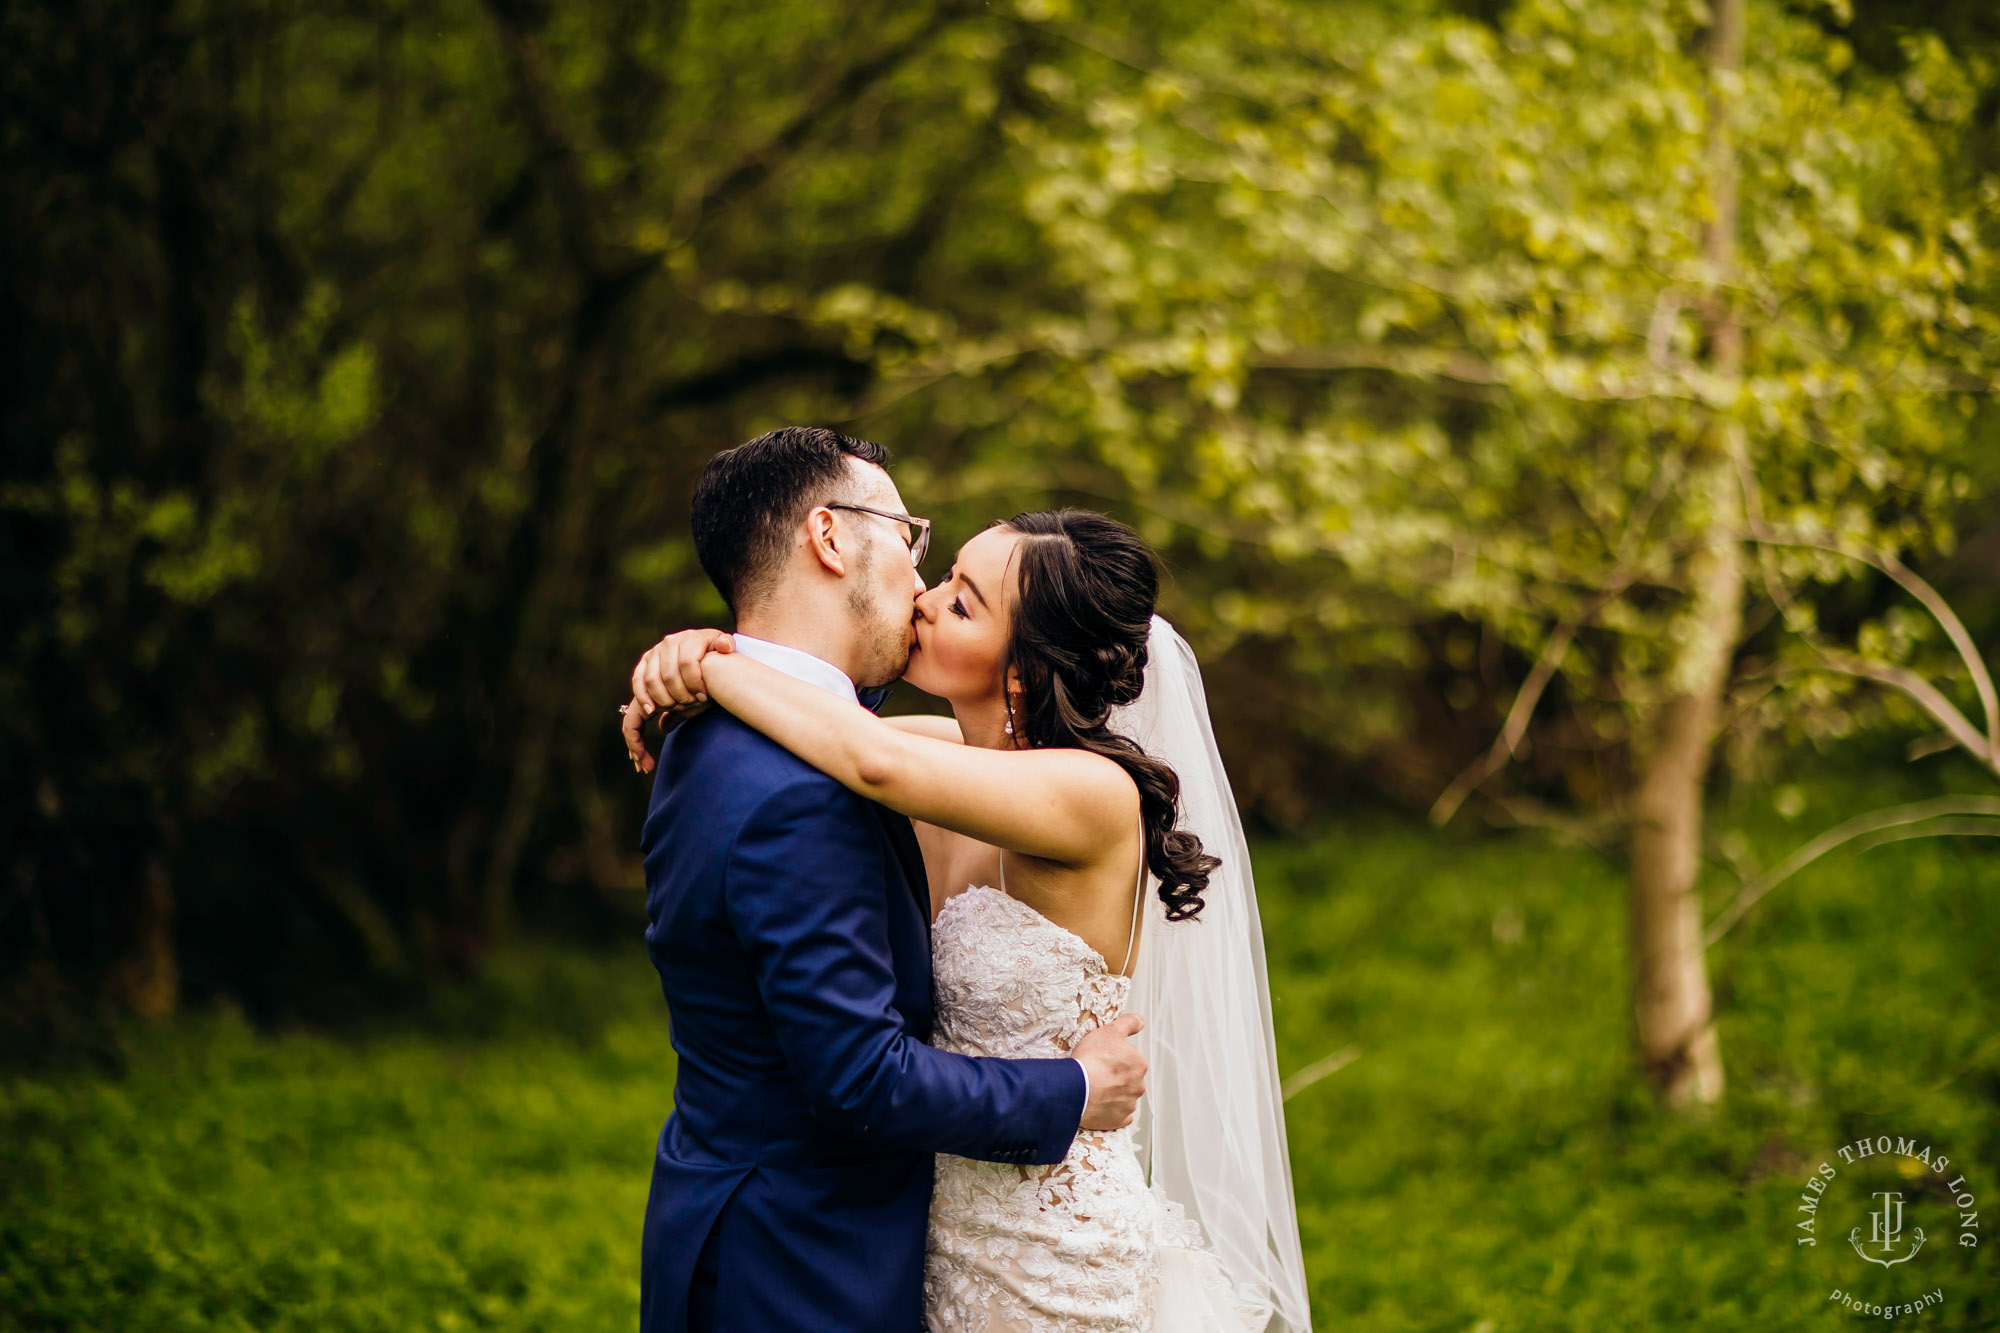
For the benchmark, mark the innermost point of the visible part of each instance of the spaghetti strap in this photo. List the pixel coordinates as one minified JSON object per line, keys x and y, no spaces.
{"x":1138,"y":897}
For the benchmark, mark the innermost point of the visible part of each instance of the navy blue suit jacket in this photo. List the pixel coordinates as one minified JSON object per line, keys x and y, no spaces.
{"x":789,"y":922}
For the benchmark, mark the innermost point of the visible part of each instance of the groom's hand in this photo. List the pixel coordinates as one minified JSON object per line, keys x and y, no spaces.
{"x":1117,"y":1073}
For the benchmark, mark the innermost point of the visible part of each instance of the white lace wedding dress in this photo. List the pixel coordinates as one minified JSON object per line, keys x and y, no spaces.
{"x":1081,"y":1245}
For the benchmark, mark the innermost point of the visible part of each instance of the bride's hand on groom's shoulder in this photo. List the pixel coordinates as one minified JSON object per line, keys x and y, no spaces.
{"x":667,"y":682}
{"x":669,"y":673}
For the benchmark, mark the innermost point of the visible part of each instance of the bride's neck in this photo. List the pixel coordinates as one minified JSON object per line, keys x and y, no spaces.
{"x":983,"y":723}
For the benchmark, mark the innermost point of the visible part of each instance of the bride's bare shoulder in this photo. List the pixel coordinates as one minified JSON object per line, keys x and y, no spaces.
{"x":937,"y":728}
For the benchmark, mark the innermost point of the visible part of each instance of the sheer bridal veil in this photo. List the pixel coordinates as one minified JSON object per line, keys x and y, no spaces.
{"x":1211,"y":1128}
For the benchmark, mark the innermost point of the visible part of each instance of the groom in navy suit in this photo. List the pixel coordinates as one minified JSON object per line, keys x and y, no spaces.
{"x":789,"y":922}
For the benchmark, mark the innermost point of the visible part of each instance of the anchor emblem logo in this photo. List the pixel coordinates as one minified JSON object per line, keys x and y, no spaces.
{"x":1885,"y":1229}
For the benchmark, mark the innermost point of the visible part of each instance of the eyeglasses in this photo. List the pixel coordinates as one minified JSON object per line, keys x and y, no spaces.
{"x":920,"y":543}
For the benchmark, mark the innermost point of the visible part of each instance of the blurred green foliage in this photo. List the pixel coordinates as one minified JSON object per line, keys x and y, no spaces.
{"x":1432,"y":300}
{"x":357,"y":358}
{"x":486,"y":1174}
{"x":1486,"y":1161}
{"x":1489,"y":1155}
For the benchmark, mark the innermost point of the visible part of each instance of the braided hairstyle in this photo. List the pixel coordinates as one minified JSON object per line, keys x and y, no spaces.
{"x":1088,"y":585}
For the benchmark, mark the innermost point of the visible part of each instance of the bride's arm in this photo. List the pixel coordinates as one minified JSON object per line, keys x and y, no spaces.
{"x":1058,"y":804}
{"x":923,"y":724}
{"x":679,"y":704}
{"x":915,"y":724}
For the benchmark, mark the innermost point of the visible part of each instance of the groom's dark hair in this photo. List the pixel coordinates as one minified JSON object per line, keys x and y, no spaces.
{"x":752,"y":496}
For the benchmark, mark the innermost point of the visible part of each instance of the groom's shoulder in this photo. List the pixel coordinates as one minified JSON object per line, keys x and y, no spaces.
{"x":738,"y":764}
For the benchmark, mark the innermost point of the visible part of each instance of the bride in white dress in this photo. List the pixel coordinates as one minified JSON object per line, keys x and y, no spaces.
{"x":1072,"y":812}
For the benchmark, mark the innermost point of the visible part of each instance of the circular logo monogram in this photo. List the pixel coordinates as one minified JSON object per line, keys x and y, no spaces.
{"x":1879,"y":1204}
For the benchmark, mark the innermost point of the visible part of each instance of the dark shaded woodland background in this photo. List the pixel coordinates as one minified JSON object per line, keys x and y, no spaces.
{"x":359,"y":358}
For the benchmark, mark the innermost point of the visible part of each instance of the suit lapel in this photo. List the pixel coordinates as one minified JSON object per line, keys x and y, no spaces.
{"x":904,"y":839}
{"x":901,"y":836}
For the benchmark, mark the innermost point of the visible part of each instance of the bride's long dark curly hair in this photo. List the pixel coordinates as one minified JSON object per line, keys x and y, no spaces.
{"x":1087,"y":589}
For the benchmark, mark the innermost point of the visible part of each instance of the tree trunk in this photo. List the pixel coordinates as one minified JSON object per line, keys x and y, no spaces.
{"x":1670,"y":994}
{"x":148,"y":977}
{"x":548,"y":566}
{"x":1671,"y":1002}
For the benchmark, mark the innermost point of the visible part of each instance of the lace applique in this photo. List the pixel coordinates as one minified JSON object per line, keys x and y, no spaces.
{"x":1054,"y":1249}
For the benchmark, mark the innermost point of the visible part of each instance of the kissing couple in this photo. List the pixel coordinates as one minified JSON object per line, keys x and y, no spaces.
{"x":906,"y":959}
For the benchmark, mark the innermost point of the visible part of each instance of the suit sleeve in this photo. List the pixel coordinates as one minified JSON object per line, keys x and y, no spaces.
{"x":807,"y":892}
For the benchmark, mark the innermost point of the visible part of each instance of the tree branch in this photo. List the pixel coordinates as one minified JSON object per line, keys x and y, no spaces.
{"x":720,"y":383}
{"x":1416,"y":362}
{"x":1926,"y":695}
{"x":756,"y":165}
{"x":1985,"y":748}
{"x":582,"y":230}
{"x":1317,"y":1070}
{"x":1954,"y":628}
{"x":1530,"y":693}
{"x":1872,"y":830}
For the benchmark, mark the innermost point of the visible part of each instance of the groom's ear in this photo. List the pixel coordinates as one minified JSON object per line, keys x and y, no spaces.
{"x":822,"y":541}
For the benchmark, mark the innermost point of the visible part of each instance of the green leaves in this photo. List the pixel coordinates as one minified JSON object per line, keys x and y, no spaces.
{"x":374,"y":367}
{"x":292,"y":393}
{"x":1429,"y":303}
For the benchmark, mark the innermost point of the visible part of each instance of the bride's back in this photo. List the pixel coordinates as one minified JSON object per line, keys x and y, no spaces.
{"x":1093,"y":903}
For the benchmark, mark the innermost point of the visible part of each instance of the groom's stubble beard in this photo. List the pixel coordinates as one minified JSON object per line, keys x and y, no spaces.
{"x":884,"y":634}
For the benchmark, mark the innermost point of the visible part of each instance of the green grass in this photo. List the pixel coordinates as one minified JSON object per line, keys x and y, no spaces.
{"x":407,"y":1182}
{"x":1486,"y":1164}
{"x":1489,"y":1162}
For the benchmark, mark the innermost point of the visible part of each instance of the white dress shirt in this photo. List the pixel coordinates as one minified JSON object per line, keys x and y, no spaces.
{"x":798,"y":664}
{"x":802,"y":665}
